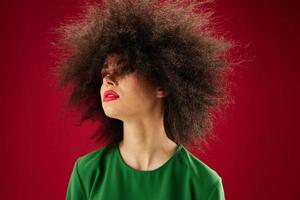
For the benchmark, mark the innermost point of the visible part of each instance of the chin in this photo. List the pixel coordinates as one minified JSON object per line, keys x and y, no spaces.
{"x":112,"y":113}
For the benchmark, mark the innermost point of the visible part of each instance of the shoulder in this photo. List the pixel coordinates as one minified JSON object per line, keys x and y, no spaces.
{"x":200,"y":172}
{"x":204,"y":181}
{"x":86,"y":168}
{"x":90,"y":156}
{"x":93,"y":160}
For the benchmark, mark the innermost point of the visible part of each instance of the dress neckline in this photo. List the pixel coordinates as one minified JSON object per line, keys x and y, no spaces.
{"x":124,"y":164}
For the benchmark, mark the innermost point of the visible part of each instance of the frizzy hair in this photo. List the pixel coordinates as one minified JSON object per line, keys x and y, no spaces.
{"x":172,"y":44}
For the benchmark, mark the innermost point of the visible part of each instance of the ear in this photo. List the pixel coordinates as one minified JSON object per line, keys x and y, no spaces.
{"x":160,"y":93}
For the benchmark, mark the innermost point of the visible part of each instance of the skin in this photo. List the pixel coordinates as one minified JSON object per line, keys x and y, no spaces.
{"x":145,"y":145}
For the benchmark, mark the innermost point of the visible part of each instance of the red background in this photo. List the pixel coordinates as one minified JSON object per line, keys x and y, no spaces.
{"x":256,"y":149}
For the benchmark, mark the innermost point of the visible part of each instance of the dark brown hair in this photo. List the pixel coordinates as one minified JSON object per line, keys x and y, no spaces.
{"x":170,"y":43}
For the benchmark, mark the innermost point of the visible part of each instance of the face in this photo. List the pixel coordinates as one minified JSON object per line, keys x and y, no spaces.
{"x":136,"y":99}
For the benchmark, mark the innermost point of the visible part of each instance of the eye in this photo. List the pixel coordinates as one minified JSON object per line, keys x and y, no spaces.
{"x":103,"y":74}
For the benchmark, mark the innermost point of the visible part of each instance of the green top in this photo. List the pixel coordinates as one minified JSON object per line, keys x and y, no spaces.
{"x":103,"y":175}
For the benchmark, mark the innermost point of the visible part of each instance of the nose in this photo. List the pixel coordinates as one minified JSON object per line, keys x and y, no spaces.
{"x":109,"y":80}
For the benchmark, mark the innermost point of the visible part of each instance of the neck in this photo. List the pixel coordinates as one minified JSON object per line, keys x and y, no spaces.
{"x":145,"y":144}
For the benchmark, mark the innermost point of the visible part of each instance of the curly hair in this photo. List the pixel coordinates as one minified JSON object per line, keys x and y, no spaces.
{"x":172,"y":44}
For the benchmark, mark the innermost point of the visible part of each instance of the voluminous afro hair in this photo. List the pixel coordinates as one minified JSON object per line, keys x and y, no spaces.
{"x":169,"y":43}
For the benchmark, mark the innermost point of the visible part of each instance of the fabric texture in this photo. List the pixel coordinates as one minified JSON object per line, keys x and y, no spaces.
{"x":103,"y":175}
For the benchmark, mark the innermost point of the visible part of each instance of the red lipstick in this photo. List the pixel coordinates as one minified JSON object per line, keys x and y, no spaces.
{"x":110,"y":95}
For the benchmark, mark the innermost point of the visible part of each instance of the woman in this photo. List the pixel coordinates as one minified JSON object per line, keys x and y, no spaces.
{"x":149,"y":72}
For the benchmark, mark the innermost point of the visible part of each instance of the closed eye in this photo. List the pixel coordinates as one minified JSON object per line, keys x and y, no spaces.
{"x":103,"y":74}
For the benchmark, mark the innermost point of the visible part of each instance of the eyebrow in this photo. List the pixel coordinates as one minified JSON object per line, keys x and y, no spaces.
{"x":103,"y":70}
{"x":105,"y":66}
{"x":105,"y":63}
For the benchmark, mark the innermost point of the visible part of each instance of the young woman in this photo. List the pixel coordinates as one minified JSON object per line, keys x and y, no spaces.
{"x":149,"y":72}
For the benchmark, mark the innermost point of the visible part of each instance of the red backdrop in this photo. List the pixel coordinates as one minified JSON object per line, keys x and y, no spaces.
{"x":256,"y":149}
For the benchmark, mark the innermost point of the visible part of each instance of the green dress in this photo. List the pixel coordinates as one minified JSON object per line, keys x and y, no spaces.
{"x":103,"y":175}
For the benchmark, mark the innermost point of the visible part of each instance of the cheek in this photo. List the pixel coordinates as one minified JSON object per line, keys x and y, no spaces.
{"x":131,"y":88}
{"x":134,"y":91}
{"x":101,"y":90}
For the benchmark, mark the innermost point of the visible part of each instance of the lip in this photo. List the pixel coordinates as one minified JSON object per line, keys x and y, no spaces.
{"x":110,"y":95}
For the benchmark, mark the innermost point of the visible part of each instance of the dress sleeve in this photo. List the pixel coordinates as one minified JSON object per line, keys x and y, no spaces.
{"x":218,"y":191}
{"x":75,"y":189}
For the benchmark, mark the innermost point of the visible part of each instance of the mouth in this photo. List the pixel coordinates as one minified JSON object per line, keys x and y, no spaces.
{"x":110,"y":95}
{"x":110,"y":98}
